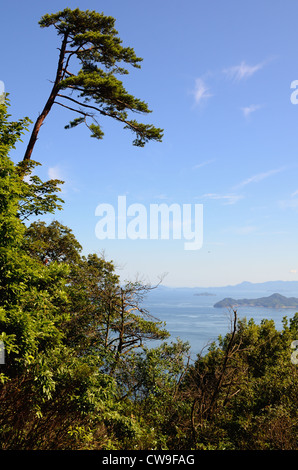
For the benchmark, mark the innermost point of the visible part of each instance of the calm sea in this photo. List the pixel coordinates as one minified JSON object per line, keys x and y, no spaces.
{"x":193,"y":318}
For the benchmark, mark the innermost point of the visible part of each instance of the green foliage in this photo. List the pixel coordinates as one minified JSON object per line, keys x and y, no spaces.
{"x":254,"y":407}
{"x":54,"y":242}
{"x":90,"y":60}
{"x":10,"y":133}
{"x":37,"y":197}
{"x":79,"y":371}
{"x":65,"y":323}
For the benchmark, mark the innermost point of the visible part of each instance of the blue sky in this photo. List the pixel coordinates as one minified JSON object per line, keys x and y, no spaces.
{"x":217,"y":76}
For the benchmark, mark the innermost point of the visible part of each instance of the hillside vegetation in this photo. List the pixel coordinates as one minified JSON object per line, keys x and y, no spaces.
{"x":79,"y":372}
{"x":272,"y":301}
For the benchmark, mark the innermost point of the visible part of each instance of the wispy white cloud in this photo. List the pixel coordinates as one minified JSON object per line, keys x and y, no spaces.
{"x":258,"y":177}
{"x":55,"y":173}
{"x":250,"y":109}
{"x":291,"y":202}
{"x":201,"y":91}
{"x":69,"y":185}
{"x":226,"y":198}
{"x":200,"y":165}
{"x":242,"y":71}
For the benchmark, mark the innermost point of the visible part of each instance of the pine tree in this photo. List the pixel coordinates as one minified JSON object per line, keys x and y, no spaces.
{"x":90,"y":42}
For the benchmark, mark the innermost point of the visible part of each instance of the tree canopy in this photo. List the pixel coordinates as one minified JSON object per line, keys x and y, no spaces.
{"x":90,"y":59}
{"x":68,"y":327}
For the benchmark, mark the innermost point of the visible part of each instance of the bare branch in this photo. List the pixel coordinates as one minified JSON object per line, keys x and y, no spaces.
{"x":82,"y":104}
{"x":72,"y":109}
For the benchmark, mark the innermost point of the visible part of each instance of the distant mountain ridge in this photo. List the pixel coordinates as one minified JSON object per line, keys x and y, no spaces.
{"x":272,"y":301}
{"x":168,"y":294}
{"x":273,"y":286}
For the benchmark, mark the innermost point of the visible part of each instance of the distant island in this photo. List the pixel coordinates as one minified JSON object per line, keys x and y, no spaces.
{"x":206,"y":294}
{"x":273,"y":301}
